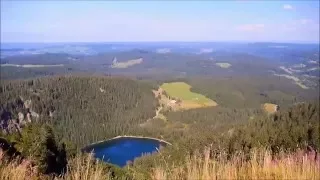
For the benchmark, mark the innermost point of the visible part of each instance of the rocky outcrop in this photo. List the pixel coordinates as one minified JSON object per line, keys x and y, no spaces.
{"x":51,"y":113}
{"x":7,"y":149}
{"x":20,"y":116}
{"x":27,"y":104}
{"x":28,"y":117}
{"x":9,"y":124}
{"x":34,"y":115}
{"x":102,"y":90}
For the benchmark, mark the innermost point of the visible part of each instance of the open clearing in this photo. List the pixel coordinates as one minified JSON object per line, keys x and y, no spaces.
{"x":163,"y":51}
{"x":270,"y":108}
{"x":186,"y":99}
{"x":206,"y":50}
{"x":126,"y":64}
{"x":223,"y":65}
{"x":31,"y":65}
{"x":175,"y":96}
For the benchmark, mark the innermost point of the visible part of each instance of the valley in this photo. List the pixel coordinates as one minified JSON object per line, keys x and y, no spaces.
{"x":159,"y":90}
{"x":211,"y":102}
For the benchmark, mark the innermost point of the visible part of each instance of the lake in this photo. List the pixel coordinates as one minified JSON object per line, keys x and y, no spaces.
{"x":120,"y":150}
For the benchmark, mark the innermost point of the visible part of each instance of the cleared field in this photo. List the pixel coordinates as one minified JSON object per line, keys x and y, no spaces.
{"x":31,"y":65}
{"x":189,"y":100}
{"x":270,"y":108}
{"x":163,"y":51}
{"x":126,"y":64}
{"x":223,"y":65}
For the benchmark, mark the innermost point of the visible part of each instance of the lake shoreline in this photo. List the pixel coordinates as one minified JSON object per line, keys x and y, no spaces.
{"x":125,"y":136}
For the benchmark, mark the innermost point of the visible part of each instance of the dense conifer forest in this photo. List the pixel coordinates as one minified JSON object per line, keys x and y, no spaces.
{"x":82,"y":109}
{"x":159,"y":90}
{"x":52,"y":118}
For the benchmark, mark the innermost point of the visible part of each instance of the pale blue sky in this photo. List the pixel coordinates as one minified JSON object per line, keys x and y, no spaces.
{"x":103,"y":21}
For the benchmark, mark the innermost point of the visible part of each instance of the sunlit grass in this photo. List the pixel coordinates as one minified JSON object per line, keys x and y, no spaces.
{"x":181,"y":90}
{"x":261,"y":165}
{"x":82,"y":167}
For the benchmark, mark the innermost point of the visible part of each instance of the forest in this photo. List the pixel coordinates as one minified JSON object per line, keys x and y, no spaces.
{"x":174,"y":64}
{"x":51,"y":118}
{"x":159,"y":90}
{"x":82,"y":109}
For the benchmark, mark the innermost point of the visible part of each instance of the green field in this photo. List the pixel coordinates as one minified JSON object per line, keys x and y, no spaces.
{"x":223,"y":65}
{"x":182,"y":91}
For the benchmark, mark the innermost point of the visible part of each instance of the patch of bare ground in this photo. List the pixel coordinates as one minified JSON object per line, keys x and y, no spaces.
{"x":270,"y":108}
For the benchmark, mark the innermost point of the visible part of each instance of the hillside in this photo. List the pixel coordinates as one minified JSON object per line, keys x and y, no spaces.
{"x":165,"y":90}
{"x":264,"y":143}
{"x":227,"y":144}
{"x":48,"y":120}
{"x":137,"y":62}
{"x":147,"y":63}
{"x":82,"y":109}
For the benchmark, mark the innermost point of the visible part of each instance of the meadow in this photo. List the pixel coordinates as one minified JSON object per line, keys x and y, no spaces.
{"x":127,"y":64}
{"x":223,"y":65}
{"x":181,"y":91}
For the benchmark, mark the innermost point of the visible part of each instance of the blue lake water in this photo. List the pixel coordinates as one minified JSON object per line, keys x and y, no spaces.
{"x":121,"y":150}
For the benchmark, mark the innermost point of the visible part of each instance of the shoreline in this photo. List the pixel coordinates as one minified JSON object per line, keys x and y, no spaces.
{"x":125,"y":136}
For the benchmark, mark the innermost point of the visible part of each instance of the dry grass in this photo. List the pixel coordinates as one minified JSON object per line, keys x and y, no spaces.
{"x":82,"y":167}
{"x":260,"y":166}
{"x":85,"y":168}
{"x":16,"y":170}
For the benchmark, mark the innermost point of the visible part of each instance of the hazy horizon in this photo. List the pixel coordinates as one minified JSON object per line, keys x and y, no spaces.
{"x":159,"y":21}
{"x":120,"y":42}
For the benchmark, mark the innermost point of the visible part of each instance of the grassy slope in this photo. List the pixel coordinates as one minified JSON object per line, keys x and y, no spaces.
{"x":182,"y":91}
{"x":297,"y":165}
{"x":81,"y":167}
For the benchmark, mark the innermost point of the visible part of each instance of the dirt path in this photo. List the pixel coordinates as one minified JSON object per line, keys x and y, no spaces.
{"x":157,"y":112}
